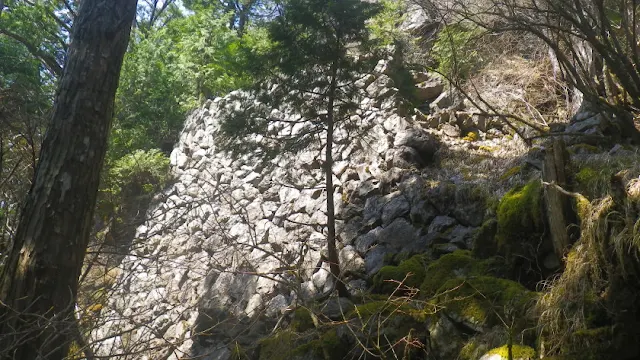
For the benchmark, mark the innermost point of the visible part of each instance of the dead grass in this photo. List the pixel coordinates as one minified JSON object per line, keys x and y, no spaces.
{"x":517,"y":78}
{"x":521,"y":86}
{"x":610,"y":238}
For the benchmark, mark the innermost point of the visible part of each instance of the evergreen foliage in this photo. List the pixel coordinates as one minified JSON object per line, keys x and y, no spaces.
{"x":317,"y":55}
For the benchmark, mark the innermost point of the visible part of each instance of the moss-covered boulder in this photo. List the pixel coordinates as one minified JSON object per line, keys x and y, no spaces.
{"x":520,"y":215}
{"x":483,"y":302}
{"x":408,"y":274}
{"x":302,"y":320}
{"x":459,"y":264}
{"x":401,"y":322}
{"x":521,"y":237}
{"x":484,"y":243}
{"x":291,"y":345}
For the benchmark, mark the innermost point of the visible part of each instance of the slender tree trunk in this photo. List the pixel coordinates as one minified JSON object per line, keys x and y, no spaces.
{"x":334,"y":262}
{"x":38,"y":286}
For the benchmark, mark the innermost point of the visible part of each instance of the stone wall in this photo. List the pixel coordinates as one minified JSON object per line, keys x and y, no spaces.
{"x":236,"y":242}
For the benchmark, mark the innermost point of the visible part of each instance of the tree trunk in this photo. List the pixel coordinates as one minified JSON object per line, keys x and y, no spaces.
{"x":334,"y":263}
{"x":38,"y":286}
{"x":559,"y":214}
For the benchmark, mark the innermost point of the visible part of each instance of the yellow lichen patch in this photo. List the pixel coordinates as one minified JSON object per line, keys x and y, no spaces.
{"x":518,"y":352}
{"x":95,"y":308}
{"x":471,"y":136}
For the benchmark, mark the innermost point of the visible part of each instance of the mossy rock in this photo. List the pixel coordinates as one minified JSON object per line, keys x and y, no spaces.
{"x":289,"y":345}
{"x":397,"y":306}
{"x":302,"y":320}
{"x":329,"y":345}
{"x":583,"y":149}
{"x":521,"y":237}
{"x":511,"y":172}
{"x":589,"y":344}
{"x":472,"y":350}
{"x":278,"y":346}
{"x":520,"y":214}
{"x":411,"y":272}
{"x":519,"y":352}
{"x":459,"y":264}
{"x":484,"y":242}
{"x":592,"y":182}
{"x":395,"y":320}
{"x":481,"y":302}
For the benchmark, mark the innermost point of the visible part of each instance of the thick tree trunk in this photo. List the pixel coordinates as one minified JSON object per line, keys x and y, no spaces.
{"x":38,"y":286}
{"x":334,"y":263}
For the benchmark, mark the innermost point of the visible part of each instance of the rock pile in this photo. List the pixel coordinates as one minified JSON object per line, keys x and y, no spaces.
{"x":235,"y":243}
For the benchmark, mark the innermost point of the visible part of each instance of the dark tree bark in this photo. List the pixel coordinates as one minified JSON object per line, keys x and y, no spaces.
{"x":38,"y":286}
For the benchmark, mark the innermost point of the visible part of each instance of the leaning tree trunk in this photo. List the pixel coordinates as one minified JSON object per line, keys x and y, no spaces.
{"x":38,"y":286}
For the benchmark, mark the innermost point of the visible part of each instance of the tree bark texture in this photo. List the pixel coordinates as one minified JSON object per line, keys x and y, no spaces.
{"x":38,"y":286}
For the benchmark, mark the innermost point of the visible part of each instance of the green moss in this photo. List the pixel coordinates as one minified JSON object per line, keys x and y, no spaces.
{"x":451,"y":266}
{"x":511,"y":173}
{"x":472,"y":350}
{"x":518,"y":352}
{"x":586,"y":176}
{"x":592,"y":343}
{"x":278,"y":347}
{"x":482,"y":301}
{"x":520,"y":215}
{"x":398,"y":307}
{"x":411,"y":271}
{"x":302,"y":320}
{"x":592,"y":182}
{"x":484,"y":242}
{"x":238,"y":353}
{"x":329,"y":344}
{"x":583,"y":149}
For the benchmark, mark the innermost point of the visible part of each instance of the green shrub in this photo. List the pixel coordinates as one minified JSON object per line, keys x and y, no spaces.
{"x":141,"y":172}
{"x":454,"y":50}
{"x":132,"y":178}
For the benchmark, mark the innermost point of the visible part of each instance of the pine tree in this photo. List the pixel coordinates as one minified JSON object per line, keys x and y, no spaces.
{"x":320,"y":49}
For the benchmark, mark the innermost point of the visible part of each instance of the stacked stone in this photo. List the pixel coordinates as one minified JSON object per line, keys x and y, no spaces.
{"x":235,"y":242}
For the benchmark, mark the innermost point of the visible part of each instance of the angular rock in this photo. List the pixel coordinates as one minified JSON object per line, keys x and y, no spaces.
{"x":374,"y":260}
{"x":441,"y":223}
{"x":396,"y":206}
{"x":350,"y":261}
{"x":337,"y":308}
{"x":428,"y":90}
{"x":423,"y":142}
{"x":398,"y":235}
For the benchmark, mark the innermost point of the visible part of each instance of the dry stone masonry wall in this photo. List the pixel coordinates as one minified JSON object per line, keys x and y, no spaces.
{"x":236,"y":243}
